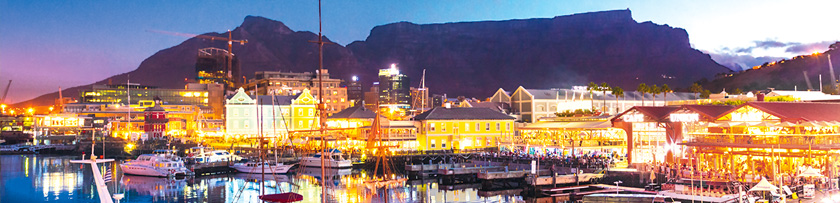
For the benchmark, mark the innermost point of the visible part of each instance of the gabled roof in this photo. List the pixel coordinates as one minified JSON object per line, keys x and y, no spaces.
{"x":658,"y":113}
{"x":710,"y":111}
{"x":441,"y":113}
{"x":543,"y":94}
{"x":358,"y":111}
{"x":789,"y":111}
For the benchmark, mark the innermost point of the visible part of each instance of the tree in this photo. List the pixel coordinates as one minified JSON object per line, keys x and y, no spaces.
{"x":665,"y":90}
{"x":592,"y":87}
{"x":643,"y":88}
{"x":705,"y":94}
{"x":604,"y":87}
{"x":654,"y":90}
{"x":617,"y":92}
{"x":696,"y":89}
{"x":828,"y":89}
{"x":737,"y":91}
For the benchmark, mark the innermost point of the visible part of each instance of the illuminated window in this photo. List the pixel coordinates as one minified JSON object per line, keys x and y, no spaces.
{"x":466,"y":127}
{"x":311,"y":111}
{"x":300,"y":124}
{"x":477,"y":126}
{"x":442,"y":143}
{"x":431,"y":127}
{"x":300,"y":112}
{"x":443,"y":127}
{"x":498,"y":126}
{"x":507,"y":126}
{"x":432,"y":145}
{"x":487,"y":126}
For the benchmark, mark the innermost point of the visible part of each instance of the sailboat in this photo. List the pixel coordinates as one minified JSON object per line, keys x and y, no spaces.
{"x":375,"y":142}
{"x":262,"y":166}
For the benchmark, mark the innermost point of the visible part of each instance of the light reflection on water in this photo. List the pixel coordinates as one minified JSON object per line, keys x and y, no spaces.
{"x":36,"y":178}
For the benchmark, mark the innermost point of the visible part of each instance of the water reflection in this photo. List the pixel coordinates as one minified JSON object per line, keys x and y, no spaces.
{"x":34,"y":178}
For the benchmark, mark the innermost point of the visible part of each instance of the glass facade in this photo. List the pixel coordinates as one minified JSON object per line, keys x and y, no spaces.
{"x":143,"y":95}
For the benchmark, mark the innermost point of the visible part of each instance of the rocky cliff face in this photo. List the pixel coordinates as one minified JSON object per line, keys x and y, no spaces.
{"x":476,"y":58}
{"x":469,"y":58}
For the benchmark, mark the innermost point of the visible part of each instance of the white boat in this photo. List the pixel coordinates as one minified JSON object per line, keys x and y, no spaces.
{"x":262,"y":167}
{"x":160,"y":165}
{"x":209,"y":155}
{"x":332,"y":159}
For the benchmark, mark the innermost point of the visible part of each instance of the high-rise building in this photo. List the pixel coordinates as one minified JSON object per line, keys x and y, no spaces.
{"x":218,"y":66}
{"x":394,"y":92}
{"x":289,"y":84}
{"x":354,"y":91}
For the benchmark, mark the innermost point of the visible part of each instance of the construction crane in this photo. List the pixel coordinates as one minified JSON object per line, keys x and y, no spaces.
{"x":229,"y":40}
{"x":5,"y":92}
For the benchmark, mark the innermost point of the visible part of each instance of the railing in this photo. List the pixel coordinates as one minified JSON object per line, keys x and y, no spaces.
{"x":776,"y":139}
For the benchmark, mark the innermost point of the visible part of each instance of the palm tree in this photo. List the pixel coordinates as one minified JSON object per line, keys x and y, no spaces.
{"x":604,"y":87}
{"x":654,"y":90}
{"x":643,"y":88}
{"x":696,"y":89}
{"x":665,"y":89}
{"x":592,"y":87}
{"x":617,"y":92}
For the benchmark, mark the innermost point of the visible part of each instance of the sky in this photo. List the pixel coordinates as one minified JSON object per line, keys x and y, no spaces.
{"x":45,"y":45}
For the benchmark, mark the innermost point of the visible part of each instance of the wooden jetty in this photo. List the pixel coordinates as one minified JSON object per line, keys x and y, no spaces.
{"x":204,"y":169}
{"x":563,"y":179}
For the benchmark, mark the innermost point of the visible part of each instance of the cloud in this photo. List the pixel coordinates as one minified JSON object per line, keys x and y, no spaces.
{"x":740,"y":62}
{"x":808,"y":48}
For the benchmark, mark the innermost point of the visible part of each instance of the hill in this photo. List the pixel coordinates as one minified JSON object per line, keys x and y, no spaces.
{"x":472,"y":59}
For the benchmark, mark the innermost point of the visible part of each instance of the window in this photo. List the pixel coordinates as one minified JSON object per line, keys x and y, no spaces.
{"x":507,"y":126}
{"x":431,"y":127}
{"x":300,"y":124}
{"x":477,"y":126}
{"x":443,"y":127}
{"x":300,"y":112}
{"x":311,"y":111}
{"x":246,"y":124}
{"x":432,"y":145}
{"x":442,"y":143}
{"x":487,"y":126}
{"x":466,"y":127}
{"x":498,"y":126}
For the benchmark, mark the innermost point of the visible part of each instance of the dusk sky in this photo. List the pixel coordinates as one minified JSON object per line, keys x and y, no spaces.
{"x":47,"y":44}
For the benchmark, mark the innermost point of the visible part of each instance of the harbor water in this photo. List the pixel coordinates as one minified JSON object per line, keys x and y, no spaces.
{"x":49,"y":178}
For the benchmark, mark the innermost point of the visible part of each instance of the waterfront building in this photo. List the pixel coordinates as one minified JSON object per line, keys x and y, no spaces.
{"x":394,"y":93}
{"x":291,"y":84}
{"x":352,"y":130}
{"x":462,"y":128}
{"x":60,"y":128}
{"x":273,"y":116}
{"x":154,"y":121}
{"x":194,"y":94}
{"x":533,"y":104}
{"x":128,"y":121}
{"x":569,"y":136}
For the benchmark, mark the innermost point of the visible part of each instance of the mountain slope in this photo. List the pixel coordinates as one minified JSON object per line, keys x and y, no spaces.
{"x":469,"y":58}
{"x":783,"y":75}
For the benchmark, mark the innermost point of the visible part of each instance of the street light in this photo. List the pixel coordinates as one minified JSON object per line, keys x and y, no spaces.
{"x":616,"y":186}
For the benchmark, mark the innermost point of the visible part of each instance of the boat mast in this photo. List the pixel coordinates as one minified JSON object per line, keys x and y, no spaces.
{"x":321,"y":115}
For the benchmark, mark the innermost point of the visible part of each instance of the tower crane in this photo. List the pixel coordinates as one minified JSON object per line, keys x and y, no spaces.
{"x":229,"y":40}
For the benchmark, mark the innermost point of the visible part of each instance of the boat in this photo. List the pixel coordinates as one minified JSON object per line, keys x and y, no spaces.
{"x":262,"y":167}
{"x":200,"y":155}
{"x":159,"y":165}
{"x":332,"y":159}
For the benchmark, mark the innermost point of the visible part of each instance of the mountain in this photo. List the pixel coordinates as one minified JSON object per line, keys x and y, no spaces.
{"x":472,"y":59}
{"x":786,"y":74}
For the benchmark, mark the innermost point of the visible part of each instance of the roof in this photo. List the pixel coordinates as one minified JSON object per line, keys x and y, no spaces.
{"x":809,"y":111}
{"x":544,"y":94}
{"x":358,"y":111}
{"x":279,"y":100}
{"x":655,"y":112}
{"x":570,"y":125}
{"x":711,"y":111}
{"x":497,"y":106}
{"x":441,"y":113}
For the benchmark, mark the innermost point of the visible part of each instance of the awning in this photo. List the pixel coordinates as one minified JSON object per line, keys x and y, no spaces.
{"x":569,"y":125}
{"x":764,"y":185}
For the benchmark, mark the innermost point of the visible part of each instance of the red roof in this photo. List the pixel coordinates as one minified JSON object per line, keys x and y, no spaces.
{"x":710,"y":111}
{"x":808,"y":111}
{"x":658,"y":113}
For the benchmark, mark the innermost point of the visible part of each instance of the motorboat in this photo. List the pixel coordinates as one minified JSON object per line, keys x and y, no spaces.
{"x":332,"y":159}
{"x":200,"y":155}
{"x":160,"y":165}
{"x":262,"y":167}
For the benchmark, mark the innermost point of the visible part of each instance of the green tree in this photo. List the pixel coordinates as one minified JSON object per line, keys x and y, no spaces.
{"x":737,"y":91}
{"x":592,"y":87}
{"x":604,"y":87}
{"x":654,"y":90}
{"x":642,"y":88}
{"x":617,"y":92}
{"x":665,"y":90}
{"x":696,"y":89}
{"x":705,"y":94}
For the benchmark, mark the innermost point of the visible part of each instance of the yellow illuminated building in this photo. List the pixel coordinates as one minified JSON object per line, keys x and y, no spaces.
{"x":248,"y":116}
{"x":462,"y":128}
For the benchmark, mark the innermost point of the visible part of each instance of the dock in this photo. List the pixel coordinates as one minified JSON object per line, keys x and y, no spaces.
{"x":205,"y":169}
{"x":563,"y":179}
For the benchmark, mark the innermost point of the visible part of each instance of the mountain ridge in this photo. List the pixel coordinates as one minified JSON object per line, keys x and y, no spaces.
{"x":462,"y":58}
